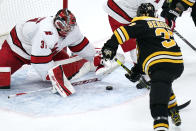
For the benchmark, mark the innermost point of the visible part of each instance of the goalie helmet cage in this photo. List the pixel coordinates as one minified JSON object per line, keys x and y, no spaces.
{"x":16,"y":11}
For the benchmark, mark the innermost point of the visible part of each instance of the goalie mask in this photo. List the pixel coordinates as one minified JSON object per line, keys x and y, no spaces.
{"x":64,"y":22}
{"x":146,"y":9}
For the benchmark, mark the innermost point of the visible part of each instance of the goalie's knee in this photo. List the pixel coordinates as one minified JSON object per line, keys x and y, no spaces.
{"x":5,"y":77}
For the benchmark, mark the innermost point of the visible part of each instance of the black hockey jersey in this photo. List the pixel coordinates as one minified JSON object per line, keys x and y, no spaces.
{"x":155,"y":42}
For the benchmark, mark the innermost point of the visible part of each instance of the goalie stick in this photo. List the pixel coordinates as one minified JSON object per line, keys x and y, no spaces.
{"x":47,"y":89}
{"x":185,"y":40}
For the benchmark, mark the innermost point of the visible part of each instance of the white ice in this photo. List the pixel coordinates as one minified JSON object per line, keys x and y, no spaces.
{"x":93,"y":108}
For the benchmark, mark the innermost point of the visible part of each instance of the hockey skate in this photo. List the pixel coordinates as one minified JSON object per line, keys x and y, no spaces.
{"x":175,"y":116}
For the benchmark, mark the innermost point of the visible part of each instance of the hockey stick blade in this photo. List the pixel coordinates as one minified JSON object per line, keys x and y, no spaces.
{"x":180,"y":107}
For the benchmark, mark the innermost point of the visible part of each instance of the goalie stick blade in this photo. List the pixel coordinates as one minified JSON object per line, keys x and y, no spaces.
{"x":180,"y":107}
{"x":50,"y":88}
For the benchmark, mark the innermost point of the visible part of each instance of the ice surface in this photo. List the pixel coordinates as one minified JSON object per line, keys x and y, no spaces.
{"x":91,"y":96}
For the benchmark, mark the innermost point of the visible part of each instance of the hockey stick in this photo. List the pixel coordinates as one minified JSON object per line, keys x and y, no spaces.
{"x":185,"y":40}
{"x":50,"y":88}
{"x":122,"y":65}
{"x":180,"y":107}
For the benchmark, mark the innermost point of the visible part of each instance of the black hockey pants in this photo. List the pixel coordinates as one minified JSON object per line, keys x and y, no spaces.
{"x":161,"y":88}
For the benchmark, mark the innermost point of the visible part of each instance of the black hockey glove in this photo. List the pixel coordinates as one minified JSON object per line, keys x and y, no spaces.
{"x":143,"y":84}
{"x":170,"y":17}
{"x":108,"y":52}
{"x":109,"y":49}
{"x":170,"y":14}
{"x":134,"y":75}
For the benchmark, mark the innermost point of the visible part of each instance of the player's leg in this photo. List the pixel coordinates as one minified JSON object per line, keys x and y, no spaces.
{"x":161,"y":94}
{"x":67,"y":69}
{"x":9,"y":64}
{"x":159,"y":98}
{"x":173,"y":111}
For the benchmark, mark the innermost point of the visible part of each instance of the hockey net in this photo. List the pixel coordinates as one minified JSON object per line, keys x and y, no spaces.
{"x":16,"y":11}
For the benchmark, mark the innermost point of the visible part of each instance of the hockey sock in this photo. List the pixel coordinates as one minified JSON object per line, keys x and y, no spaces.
{"x":161,"y":123}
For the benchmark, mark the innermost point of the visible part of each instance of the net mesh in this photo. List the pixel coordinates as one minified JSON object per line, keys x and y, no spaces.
{"x":16,"y":11}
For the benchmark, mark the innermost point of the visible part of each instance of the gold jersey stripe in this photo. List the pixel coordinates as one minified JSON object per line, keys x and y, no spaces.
{"x":161,"y":125}
{"x":160,"y":61}
{"x":188,"y":2}
{"x":125,"y":33}
{"x":160,"y":53}
{"x":118,"y":37}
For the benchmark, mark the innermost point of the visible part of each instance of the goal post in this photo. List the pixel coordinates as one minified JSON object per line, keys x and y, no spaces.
{"x":16,"y":11}
{"x":65,"y":3}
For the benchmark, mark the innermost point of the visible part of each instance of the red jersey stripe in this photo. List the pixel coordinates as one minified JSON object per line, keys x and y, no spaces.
{"x":80,"y":46}
{"x":16,"y":40}
{"x":41,"y":59}
{"x":113,"y":6}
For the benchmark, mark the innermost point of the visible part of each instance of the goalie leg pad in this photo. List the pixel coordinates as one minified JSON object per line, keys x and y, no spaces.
{"x":5,"y":77}
{"x":60,"y":82}
{"x":76,"y":69}
{"x":73,"y":67}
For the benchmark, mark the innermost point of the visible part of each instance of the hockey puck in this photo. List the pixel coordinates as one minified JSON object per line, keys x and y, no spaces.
{"x":109,"y":88}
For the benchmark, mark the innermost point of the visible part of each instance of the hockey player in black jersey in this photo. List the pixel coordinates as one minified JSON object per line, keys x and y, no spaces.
{"x":172,"y":9}
{"x":159,"y":56}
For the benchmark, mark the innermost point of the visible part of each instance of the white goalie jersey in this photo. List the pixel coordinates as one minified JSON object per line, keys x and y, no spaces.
{"x":38,"y":41}
{"x":125,"y":10}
